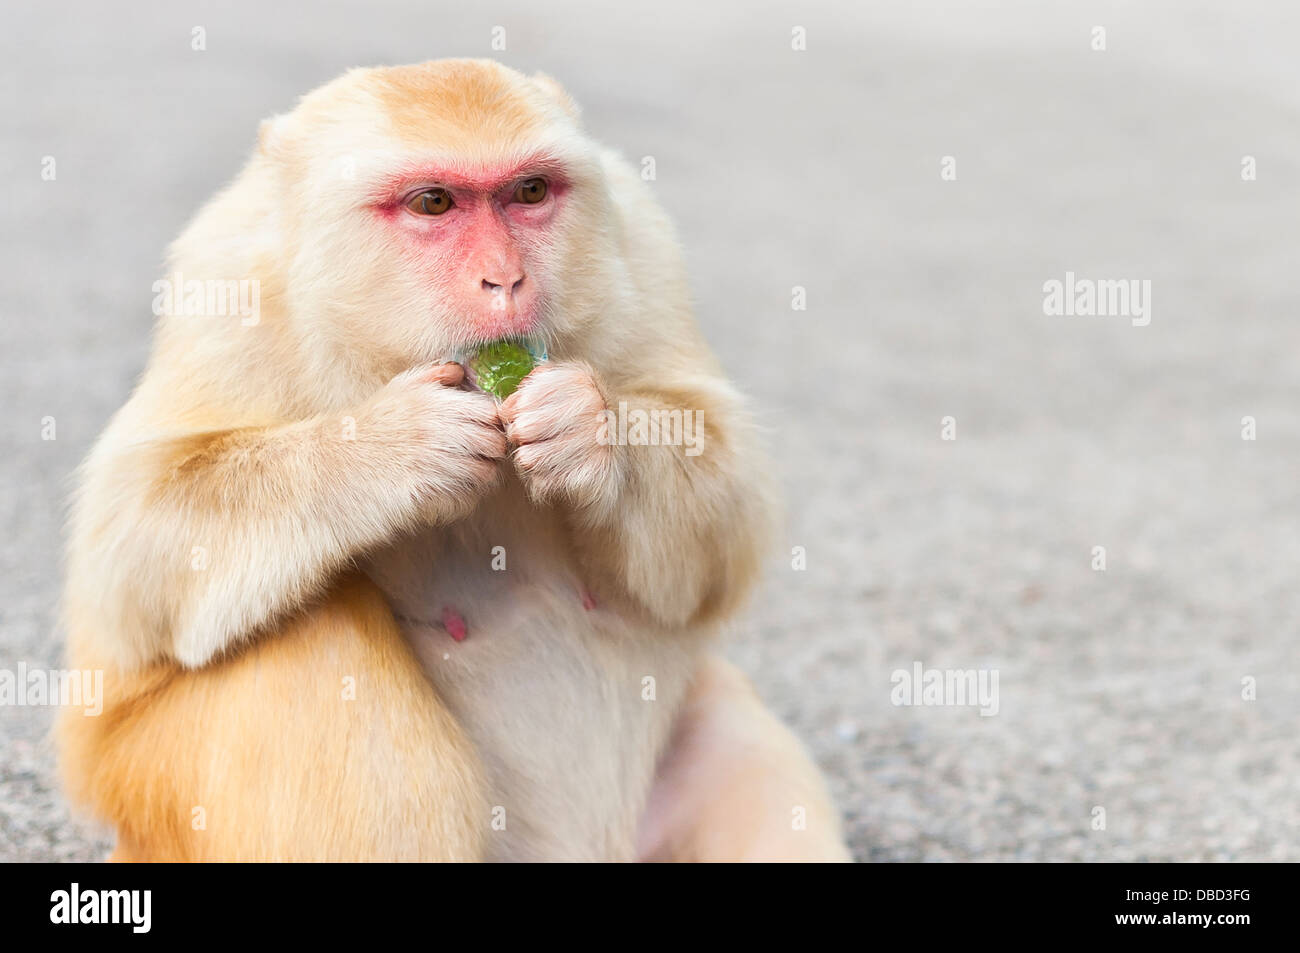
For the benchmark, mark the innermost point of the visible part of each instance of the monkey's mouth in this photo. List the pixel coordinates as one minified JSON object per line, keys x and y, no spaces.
{"x":534,"y":344}
{"x":497,"y":367}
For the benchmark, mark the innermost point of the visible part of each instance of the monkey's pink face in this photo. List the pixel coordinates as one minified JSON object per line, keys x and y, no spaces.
{"x":481,"y":240}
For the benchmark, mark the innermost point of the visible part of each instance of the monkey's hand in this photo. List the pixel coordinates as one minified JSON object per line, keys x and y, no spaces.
{"x":234,"y":526}
{"x":556,"y":420}
{"x":675,"y":530}
{"x":444,"y":445}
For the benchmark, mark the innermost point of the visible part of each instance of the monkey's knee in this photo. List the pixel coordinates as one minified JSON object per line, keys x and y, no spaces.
{"x":321,"y":741}
{"x":736,"y":784}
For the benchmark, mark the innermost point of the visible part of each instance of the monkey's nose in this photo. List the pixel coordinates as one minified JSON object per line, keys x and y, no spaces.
{"x":508,"y":287}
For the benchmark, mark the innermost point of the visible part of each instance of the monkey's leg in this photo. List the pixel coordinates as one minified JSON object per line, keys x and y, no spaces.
{"x":736,"y":785}
{"x":321,"y":741}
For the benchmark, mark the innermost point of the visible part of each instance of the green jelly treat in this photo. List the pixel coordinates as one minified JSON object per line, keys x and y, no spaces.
{"x":500,"y":366}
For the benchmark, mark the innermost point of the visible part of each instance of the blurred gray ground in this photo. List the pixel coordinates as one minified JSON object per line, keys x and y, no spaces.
{"x":1119,"y":689}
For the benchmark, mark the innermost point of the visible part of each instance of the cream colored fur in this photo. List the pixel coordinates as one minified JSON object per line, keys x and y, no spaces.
{"x":222,"y":515}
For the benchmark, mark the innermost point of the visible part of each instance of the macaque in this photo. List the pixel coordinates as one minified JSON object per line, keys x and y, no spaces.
{"x":349,"y":607}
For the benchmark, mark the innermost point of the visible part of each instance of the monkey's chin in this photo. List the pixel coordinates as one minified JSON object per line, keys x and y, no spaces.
{"x":534,"y":344}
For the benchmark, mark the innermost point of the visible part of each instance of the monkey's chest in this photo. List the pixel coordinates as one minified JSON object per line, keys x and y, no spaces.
{"x":569,"y":703}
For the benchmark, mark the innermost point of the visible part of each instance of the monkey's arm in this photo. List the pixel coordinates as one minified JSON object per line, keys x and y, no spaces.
{"x":681,"y":533}
{"x":183,"y":546}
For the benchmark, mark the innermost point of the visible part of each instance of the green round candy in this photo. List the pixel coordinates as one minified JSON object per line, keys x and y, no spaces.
{"x":500,"y":366}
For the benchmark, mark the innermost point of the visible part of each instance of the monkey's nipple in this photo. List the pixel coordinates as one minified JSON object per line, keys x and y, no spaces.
{"x":454,"y":623}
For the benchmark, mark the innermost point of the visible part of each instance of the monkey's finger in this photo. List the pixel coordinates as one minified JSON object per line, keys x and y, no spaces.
{"x":450,"y":375}
{"x":489,"y":443}
{"x":509,"y":407}
{"x":477,"y":408}
{"x":483,"y":472}
{"x":524,"y":393}
{"x":534,"y":425}
{"x":538,"y":458}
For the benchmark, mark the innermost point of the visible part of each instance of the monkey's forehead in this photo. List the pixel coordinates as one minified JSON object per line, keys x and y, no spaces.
{"x":477,"y":110}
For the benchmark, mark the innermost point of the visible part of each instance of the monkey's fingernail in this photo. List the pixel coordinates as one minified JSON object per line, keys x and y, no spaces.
{"x":454,"y":623}
{"x":588,"y":600}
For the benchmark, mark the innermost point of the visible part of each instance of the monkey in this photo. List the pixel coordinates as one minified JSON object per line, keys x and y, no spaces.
{"x":350,"y":607}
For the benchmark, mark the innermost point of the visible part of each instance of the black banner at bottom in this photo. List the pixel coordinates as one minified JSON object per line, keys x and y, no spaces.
{"x":929,"y":902}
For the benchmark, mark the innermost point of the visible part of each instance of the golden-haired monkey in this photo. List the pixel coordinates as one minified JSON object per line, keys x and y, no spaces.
{"x":350,"y":607}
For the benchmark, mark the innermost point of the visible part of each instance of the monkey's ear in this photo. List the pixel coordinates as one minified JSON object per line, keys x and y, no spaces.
{"x":270,"y":135}
{"x":554,"y":90}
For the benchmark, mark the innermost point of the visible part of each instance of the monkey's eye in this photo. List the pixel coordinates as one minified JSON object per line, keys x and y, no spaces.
{"x":530,"y":191}
{"x":432,"y":202}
